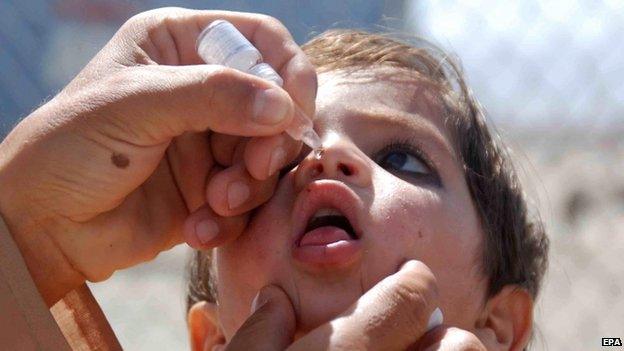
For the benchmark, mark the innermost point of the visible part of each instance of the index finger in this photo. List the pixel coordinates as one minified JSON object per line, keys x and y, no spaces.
{"x":170,"y":34}
{"x":391,"y":316}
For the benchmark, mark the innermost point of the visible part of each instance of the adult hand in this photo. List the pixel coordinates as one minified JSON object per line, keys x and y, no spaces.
{"x":445,"y":338}
{"x":105,"y":174}
{"x":393,"y":315}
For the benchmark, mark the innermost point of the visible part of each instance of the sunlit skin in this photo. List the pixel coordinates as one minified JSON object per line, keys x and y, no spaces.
{"x":405,"y":187}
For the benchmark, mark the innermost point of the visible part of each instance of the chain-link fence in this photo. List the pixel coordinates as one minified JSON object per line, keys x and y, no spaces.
{"x":549,"y":72}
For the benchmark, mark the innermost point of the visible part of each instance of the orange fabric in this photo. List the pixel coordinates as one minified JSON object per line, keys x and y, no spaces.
{"x":26,"y":323}
{"x":83,"y":323}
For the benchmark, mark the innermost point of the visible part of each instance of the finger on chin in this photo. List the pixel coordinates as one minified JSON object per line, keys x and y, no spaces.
{"x":445,"y":338}
{"x":271,"y":325}
{"x":393,"y":314}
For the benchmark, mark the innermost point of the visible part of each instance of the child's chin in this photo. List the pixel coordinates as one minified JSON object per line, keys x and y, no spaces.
{"x":324,"y":306}
{"x":305,"y":326}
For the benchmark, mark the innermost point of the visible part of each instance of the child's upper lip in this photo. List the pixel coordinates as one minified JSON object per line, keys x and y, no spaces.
{"x":325,"y":193}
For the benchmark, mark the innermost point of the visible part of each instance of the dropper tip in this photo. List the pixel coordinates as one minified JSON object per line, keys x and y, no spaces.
{"x":318,"y":152}
{"x":311,"y":139}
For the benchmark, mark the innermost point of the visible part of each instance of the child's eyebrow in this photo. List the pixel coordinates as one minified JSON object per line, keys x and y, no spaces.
{"x":416,"y":124}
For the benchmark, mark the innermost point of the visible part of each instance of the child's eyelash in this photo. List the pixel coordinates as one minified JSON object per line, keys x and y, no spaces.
{"x":408,"y":146}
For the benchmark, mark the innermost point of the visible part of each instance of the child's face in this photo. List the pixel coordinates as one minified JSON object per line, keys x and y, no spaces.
{"x":400,"y":205}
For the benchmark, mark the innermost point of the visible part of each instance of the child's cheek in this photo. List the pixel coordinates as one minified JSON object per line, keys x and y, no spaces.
{"x":256,"y":258}
{"x":402,"y":225}
{"x":406,"y":214}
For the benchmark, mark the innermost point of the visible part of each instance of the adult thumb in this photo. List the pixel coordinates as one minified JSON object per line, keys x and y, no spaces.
{"x":155,"y":103}
{"x":271,"y":325}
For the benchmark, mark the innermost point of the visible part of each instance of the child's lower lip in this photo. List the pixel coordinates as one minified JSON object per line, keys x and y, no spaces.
{"x":326,"y":247}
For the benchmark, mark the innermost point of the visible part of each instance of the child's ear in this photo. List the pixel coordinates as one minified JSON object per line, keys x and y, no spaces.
{"x":204,"y":328}
{"x":507,"y":320}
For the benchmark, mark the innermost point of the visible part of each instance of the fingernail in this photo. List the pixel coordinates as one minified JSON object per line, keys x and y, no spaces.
{"x":406,"y":263}
{"x":254,"y":303}
{"x":270,"y":106}
{"x":260,"y":299}
{"x":237,"y":194}
{"x":278,"y":158}
{"x":206,"y":230}
{"x":436,"y":319}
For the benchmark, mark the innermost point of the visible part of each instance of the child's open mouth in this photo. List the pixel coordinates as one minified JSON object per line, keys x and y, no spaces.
{"x":329,"y":238}
{"x":327,"y":226}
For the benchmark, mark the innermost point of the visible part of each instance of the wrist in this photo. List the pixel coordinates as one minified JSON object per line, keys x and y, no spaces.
{"x":49,"y":268}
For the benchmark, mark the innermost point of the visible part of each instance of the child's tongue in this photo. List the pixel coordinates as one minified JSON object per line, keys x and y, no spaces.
{"x":324,"y":236}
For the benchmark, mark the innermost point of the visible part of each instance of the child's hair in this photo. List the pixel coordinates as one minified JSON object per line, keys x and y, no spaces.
{"x":515,"y":246}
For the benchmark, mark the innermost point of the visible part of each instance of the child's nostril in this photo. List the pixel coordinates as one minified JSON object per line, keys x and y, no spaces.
{"x":346,"y":170}
{"x":318,"y":169}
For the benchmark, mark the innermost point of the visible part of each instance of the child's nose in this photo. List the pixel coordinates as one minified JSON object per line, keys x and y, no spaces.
{"x":341,"y":160}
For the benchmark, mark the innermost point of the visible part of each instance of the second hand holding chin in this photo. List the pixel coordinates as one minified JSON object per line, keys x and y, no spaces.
{"x":405,"y":299}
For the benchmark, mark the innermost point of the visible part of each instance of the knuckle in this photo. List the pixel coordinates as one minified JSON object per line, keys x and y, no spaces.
{"x":420,"y":274}
{"x":305,"y":75}
{"x":150,"y":19}
{"x":409,"y":294}
{"x":277,"y":27}
{"x":308,"y":74}
{"x":155,"y":14}
{"x":141,"y":19}
{"x":220,"y":87}
{"x":272,"y":22}
{"x":219,"y":80}
{"x":415,"y":294}
{"x":210,"y":83}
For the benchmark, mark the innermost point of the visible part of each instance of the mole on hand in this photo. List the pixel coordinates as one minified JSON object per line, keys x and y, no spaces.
{"x":120,"y":160}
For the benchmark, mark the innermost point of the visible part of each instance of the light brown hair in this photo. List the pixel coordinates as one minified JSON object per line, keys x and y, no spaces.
{"x":515,"y":247}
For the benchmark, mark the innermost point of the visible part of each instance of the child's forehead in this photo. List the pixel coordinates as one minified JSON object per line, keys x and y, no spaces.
{"x":377,"y":89}
{"x":386,"y":93}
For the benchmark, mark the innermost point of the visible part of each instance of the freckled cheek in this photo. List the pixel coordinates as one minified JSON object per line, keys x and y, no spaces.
{"x":454,"y":256}
{"x":424,"y":225}
{"x":448,"y":237}
{"x":411,"y":219}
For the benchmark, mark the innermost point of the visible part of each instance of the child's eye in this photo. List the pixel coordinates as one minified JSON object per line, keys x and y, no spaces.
{"x":405,"y":160}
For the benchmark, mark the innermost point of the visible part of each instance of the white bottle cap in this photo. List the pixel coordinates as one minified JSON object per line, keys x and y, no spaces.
{"x":222,"y":44}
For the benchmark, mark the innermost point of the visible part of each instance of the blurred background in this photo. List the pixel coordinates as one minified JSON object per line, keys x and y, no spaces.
{"x":548,"y":72}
